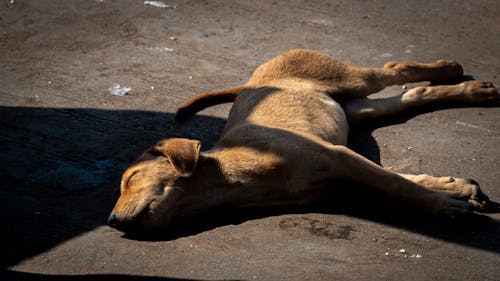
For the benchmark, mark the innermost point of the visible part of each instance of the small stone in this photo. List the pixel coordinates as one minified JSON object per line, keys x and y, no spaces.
{"x":417,"y":255}
{"x":402,"y":251}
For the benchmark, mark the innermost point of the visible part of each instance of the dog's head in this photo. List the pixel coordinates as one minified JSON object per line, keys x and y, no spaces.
{"x":152,"y":188}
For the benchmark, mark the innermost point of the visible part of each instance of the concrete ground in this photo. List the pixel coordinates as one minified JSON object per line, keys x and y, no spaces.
{"x":64,"y":139}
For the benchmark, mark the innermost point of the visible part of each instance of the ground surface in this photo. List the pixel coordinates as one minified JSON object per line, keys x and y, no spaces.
{"x":64,"y":139}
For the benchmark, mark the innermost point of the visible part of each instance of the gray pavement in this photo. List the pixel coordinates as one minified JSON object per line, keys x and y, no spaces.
{"x":64,"y":139}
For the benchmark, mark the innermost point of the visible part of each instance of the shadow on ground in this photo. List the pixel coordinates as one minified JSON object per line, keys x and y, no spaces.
{"x":21,"y":276}
{"x":61,"y":170}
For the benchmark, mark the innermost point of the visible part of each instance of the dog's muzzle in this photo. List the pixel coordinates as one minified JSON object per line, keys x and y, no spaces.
{"x":114,"y":221}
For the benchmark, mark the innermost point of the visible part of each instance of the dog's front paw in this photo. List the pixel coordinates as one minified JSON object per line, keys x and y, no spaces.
{"x":471,"y":192}
{"x":456,"y":189}
{"x":448,"y":205}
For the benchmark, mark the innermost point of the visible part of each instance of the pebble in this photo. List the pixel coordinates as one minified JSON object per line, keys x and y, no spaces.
{"x":417,"y":255}
{"x":158,"y":4}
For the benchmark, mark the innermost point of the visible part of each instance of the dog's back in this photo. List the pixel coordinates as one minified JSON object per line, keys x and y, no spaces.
{"x":297,"y":106}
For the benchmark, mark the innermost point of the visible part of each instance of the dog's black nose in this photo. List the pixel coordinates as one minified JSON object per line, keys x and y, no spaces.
{"x":113,"y":220}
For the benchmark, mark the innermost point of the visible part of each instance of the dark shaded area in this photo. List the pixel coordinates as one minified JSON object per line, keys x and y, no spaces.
{"x":21,"y":276}
{"x":63,"y":167}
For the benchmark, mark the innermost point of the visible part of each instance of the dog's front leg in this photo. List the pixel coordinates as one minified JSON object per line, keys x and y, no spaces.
{"x":470,"y":93}
{"x":467,"y":189}
{"x":347,"y":164}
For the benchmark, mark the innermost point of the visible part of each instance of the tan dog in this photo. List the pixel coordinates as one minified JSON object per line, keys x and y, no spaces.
{"x":285,"y":143}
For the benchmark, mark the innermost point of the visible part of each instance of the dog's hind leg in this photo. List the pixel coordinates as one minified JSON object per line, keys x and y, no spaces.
{"x":341,"y":162}
{"x":470,"y":93}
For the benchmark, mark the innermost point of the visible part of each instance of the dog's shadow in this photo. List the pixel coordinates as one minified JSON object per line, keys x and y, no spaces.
{"x":357,"y":201}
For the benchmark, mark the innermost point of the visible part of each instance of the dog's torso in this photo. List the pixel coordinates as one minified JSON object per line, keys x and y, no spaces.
{"x":269,"y":132}
{"x":271,"y":128}
{"x":286,"y":105}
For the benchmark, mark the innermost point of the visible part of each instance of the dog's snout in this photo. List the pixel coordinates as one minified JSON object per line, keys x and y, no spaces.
{"x":113,"y":220}
{"x":123,"y":224}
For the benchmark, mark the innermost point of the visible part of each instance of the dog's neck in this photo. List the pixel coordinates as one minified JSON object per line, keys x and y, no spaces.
{"x":241,"y":166}
{"x":230,"y":176}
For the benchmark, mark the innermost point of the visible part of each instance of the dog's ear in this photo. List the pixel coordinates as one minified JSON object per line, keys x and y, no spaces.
{"x":183,"y":154}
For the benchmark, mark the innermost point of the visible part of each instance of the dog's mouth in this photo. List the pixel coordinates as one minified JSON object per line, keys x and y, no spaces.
{"x":132,"y":224}
{"x":145,"y":227}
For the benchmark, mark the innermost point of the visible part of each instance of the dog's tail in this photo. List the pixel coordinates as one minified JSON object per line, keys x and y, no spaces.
{"x":202,"y":101}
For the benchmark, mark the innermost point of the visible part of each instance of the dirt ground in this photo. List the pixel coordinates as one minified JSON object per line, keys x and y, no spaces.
{"x":64,"y":139}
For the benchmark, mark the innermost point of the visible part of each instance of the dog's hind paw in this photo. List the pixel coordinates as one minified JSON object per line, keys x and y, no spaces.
{"x":480,"y":92}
